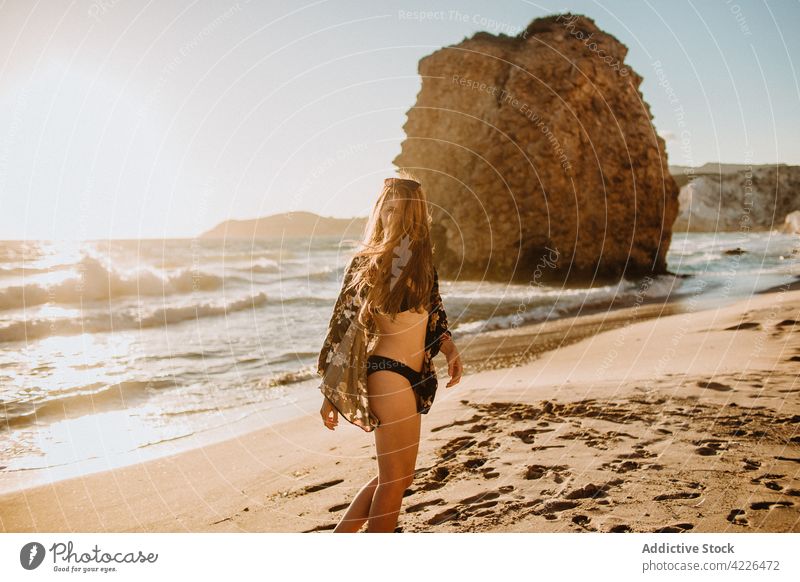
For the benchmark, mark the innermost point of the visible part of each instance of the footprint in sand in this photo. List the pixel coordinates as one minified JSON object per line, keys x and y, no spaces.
{"x":596,"y":439}
{"x":738,"y":517}
{"x":489,"y":444}
{"x":770,"y":504}
{"x":455,"y":446}
{"x":751,"y":465}
{"x":474,"y":463}
{"x":321,"y":486}
{"x":420,"y":506}
{"x":326,"y":527}
{"x":769,"y":481}
{"x":490,"y":473}
{"x":638,"y":453}
{"x":436,"y":479}
{"x":792,"y":459}
{"x":677,"y":528}
{"x":678,"y":495}
{"x":744,"y":325}
{"x":475,"y":418}
{"x":480,"y":498}
{"x":592,"y":491}
{"x":714,"y":386}
{"x":479,"y":428}
{"x":581,"y":519}
{"x":528,"y":436}
{"x":552,"y":506}
{"x":447,"y":515}
{"x":558,"y":472}
{"x":467,"y":507}
{"x":621,"y":467}
{"x":710,"y":447}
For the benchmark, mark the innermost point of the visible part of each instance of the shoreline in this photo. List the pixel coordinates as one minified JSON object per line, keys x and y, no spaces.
{"x":502,"y":347}
{"x":480,"y":351}
{"x":475,"y":474}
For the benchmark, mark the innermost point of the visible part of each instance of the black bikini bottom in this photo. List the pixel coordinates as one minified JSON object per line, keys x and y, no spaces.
{"x":376,"y":363}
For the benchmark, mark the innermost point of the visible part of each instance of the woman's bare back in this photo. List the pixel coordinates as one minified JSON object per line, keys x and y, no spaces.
{"x":404,"y":338}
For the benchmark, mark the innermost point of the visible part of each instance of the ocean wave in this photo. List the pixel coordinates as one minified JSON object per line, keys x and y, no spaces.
{"x":99,"y":323}
{"x":30,"y":271}
{"x":292,"y":377}
{"x":604,"y":297}
{"x":95,"y":281}
{"x":307,"y":301}
{"x":78,"y":401}
{"x":497,"y":322}
{"x":262,"y":265}
{"x":324,"y":275}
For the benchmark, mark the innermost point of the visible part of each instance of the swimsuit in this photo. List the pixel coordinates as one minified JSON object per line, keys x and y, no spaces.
{"x":377,"y":362}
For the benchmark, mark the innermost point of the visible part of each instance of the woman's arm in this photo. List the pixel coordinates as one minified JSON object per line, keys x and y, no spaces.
{"x":338,"y":322}
{"x":438,"y":326}
{"x":443,"y":338}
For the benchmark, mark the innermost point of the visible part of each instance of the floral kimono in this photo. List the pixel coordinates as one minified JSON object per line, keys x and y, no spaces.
{"x":343,"y":358}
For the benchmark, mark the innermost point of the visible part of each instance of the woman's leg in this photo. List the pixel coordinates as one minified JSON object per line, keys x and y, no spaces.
{"x":392,"y":400}
{"x":358,"y":512}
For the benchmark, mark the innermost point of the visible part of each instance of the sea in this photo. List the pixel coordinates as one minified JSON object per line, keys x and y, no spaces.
{"x":114,"y":352}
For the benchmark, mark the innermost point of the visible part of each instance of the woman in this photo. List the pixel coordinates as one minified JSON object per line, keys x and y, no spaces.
{"x":387,"y":325}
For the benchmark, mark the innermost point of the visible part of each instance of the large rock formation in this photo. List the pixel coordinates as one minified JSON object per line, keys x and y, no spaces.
{"x":539,"y":157}
{"x":737,"y":198}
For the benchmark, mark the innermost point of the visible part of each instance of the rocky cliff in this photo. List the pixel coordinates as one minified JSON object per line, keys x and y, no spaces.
{"x":539,"y":156}
{"x":741,"y":198}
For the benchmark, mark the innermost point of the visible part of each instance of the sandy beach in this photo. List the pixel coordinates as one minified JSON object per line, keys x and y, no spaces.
{"x":644,"y":419}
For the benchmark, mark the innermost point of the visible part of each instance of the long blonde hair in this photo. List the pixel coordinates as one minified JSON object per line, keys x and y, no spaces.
{"x":396,"y":259}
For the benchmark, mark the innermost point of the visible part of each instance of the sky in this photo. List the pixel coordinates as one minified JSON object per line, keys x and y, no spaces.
{"x":124,"y":119}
